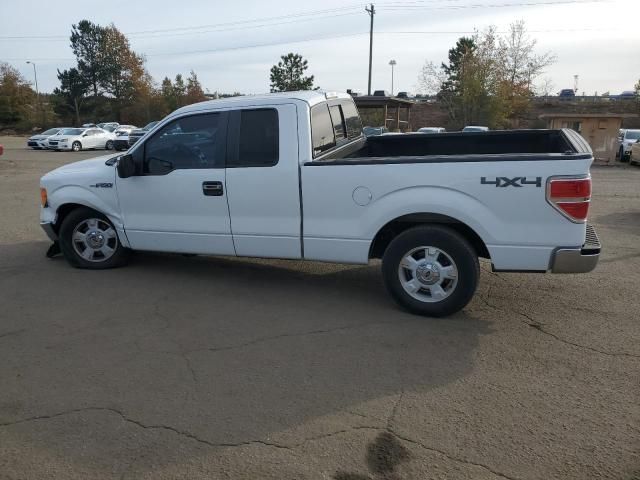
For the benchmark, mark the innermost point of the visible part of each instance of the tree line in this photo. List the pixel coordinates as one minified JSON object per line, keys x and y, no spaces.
{"x":489,"y":79}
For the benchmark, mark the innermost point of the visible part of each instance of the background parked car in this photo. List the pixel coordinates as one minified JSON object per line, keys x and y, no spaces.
{"x":138,"y":133}
{"x":121,"y":141}
{"x":567,"y":93}
{"x":475,"y":128}
{"x":431,"y":130}
{"x":634,"y":158}
{"x":77,"y":139}
{"x":627,"y":138}
{"x":370,"y":131}
{"x":109,"y":126}
{"x":39,"y":141}
{"x":628,"y":95}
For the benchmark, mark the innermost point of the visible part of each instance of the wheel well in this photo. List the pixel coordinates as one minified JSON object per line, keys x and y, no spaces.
{"x":395,"y":227}
{"x":63,"y":211}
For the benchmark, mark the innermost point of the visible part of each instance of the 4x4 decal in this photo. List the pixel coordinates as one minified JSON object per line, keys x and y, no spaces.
{"x":511,"y":182}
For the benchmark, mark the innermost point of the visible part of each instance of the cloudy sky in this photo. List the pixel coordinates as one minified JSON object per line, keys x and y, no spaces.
{"x":232,"y":44}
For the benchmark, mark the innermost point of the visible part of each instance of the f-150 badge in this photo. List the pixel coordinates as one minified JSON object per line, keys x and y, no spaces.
{"x":511,"y":182}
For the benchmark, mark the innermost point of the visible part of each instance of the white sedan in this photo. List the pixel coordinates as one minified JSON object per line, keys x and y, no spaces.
{"x":77,"y":139}
{"x":40,"y":140}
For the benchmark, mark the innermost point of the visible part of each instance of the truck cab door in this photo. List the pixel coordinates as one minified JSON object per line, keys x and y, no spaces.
{"x":177,"y":202}
{"x":263,"y":181}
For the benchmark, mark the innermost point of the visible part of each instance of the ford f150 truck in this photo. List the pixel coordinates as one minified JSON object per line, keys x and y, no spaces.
{"x":292,"y":176}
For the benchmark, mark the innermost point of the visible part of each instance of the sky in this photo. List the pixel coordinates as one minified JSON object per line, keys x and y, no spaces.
{"x":231,"y":45}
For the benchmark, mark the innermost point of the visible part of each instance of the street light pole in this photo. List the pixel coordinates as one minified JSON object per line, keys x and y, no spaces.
{"x":35,"y":75}
{"x":393,"y":64}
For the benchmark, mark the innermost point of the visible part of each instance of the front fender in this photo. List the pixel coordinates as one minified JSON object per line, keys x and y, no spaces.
{"x":100,"y":201}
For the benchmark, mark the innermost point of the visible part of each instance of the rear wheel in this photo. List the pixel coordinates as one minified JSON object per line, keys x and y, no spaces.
{"x":109,"y":145}
{"x":89,"y":240}
{"x":76,"y":146}
{"x":431,"y":270}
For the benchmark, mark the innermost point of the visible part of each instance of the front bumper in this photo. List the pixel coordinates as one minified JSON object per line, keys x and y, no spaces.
{"x":60,"y":146}
{"x":578,"y":260}
{"x":48,"y":229}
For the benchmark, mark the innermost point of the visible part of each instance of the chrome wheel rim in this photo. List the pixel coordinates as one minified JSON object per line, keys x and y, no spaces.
{"x":94,"y":240}
{"x":428,"y":274}
{"x":76,"y":147}
{"x":109,"y":145}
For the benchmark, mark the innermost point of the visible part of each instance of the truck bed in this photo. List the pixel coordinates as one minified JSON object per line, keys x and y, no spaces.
{"x":457,"y":146}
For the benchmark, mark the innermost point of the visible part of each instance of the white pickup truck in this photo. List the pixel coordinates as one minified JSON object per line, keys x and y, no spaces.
{"x":292,"y":176}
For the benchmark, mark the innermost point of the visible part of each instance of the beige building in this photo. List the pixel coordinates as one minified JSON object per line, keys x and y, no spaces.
{"x":599,"y":129}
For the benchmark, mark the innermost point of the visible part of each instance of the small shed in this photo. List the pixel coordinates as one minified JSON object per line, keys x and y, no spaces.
{"x":391,"y":112}
{"x":599,"y":129}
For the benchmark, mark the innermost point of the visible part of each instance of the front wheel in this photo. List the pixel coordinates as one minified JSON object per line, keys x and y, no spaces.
{"x":76,"y":146}
{"x":89,"y":240}
{"x":431,"y":270}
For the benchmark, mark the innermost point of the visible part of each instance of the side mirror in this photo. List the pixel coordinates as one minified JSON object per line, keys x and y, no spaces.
{"x":85,"y":134}
{"x":126,"y":166}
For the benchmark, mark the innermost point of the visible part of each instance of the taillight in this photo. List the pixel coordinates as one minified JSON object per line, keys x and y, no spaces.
{"x":570,"y":196}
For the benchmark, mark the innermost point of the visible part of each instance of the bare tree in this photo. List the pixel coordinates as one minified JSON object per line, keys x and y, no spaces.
{"x":546,"y":88}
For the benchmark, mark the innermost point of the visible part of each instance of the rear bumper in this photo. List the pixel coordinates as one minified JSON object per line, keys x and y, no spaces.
{"x":578,"y":260}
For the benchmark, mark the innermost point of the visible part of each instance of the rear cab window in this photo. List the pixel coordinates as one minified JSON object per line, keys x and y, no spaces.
{"x":334,"y":124}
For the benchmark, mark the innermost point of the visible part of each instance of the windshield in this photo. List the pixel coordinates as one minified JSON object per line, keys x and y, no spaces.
{"x":632,"y":135}
{"x":51,"y":131}
{"x":72,"y":131}
{"x":109,"y":128}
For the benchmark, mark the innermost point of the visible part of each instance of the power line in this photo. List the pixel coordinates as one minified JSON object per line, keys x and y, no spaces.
{"x":327,"y":37}
{"x":406,"y":5}
{"x":315,"y":13}
{"x":484,"y":5}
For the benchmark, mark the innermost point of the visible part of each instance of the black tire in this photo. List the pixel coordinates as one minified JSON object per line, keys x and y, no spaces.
{"x":76,"y":146}
{"x":109,"y":145}
{"x":452,"y":244}
{"x":76,"y":218}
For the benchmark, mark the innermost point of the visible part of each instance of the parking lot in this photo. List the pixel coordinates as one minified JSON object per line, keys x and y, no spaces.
{"x":207,"y":368}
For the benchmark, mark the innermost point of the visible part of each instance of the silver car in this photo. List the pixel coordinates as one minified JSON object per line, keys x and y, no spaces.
{"x":39,"y":141}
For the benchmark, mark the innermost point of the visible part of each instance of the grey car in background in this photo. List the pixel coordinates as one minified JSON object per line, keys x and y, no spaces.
{"x":40,"y":141}
{"x":138,"y":133}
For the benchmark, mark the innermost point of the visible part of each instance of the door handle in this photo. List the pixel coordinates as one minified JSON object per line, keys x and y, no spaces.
{"x":212,"y":189}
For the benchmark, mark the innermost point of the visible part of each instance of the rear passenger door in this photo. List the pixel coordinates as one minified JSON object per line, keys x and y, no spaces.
{"x":262,"y":181}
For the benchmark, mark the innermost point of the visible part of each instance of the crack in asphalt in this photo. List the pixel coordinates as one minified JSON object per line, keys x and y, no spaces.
{"x":301,"y":334}
{"x":449,"y":456}
{"x":191,"y":436}
{"x":132,"y":421}
{"x":12,"y":332}
{"x":394,"y":410}
{"x":539,"y":326}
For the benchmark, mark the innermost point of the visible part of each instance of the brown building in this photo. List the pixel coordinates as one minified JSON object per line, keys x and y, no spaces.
{"x":599,"y":129}
{"x":391,"y":112}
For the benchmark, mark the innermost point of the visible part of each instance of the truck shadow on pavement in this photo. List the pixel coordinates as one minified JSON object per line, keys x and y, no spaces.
{"x":207,"y":352}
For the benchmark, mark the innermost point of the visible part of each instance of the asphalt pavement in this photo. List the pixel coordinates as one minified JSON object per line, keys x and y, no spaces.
{"x":206,"y":368}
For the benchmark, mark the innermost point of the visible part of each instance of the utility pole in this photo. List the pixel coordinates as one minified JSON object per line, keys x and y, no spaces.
{"x":371,"y":11}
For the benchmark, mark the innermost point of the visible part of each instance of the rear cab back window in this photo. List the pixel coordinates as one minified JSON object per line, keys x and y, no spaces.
{"x":334,"y":124}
